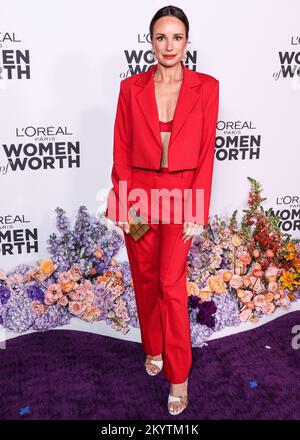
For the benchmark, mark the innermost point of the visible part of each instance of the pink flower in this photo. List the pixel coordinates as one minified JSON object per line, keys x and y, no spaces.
{"x":268,"y":308}
{"x":285,"y":301}
{"x":37,"y":307}
{"x":273,"y":286}
{"x":259,"y":300}
{"x":248,"y":296}
{"x":245,"y":257}
{"x":256,"y":266}
{"x":49,"y":298}
{"x":74,"y":296}
{"x":236,"y":281}
{"x":271,"y":271}
{"x":91,"y":313}
{"x":75,"y":273}
{"x":29,"y":275}
{"x":98,"y":252}
{"x":77,"y":307}
{"x":245,"y":314}
{"x":64,"y":277}
{"x":38,"y":275}
{"x":53,"y":293}
{"x":63,"y":301}
{"x":256,"y":253}
{"x":84,"y":290}
{"x":257,"y":285}
{"x":258,"y":273}
{"x":269,"y":253}
{"x":89,"y":297}
{"x":246,"y":281}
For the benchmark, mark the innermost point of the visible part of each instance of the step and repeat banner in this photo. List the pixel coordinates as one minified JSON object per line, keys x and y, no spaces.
{"x":61,"y":63}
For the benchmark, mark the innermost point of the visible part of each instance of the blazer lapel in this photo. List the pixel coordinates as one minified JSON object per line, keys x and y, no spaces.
{"x":186,"y":100}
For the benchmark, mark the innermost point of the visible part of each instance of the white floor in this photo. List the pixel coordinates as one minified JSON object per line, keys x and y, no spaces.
{"x":100,"y":327}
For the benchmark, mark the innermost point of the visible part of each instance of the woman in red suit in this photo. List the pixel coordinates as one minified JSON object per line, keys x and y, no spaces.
{"x":164,"y":140}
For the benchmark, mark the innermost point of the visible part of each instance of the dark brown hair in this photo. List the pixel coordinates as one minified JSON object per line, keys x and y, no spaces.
{"x":173,"y":11}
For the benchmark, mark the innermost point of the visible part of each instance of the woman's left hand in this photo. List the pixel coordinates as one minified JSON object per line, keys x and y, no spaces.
{"x":190,"y":230}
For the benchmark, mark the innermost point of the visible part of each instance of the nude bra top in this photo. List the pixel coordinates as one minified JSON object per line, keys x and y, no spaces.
{"x":165,"y":126}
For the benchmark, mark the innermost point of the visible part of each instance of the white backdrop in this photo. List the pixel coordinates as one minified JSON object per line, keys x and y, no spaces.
{"x":61,"y":62}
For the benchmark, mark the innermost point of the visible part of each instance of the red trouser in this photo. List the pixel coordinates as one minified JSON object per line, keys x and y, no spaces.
{"x":158,"y":263}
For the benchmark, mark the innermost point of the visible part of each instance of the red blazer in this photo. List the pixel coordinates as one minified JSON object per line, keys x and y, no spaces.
{"x":137,"y":138}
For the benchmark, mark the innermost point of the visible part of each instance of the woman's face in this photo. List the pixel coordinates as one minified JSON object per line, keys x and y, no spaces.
{"x":169,"y":39}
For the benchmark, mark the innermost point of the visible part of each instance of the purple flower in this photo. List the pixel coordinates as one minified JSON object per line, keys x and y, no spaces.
{"x":206,"y":310}
{"x":35,"y":293}
{"x":194,"y":301}
{"x":4,"y":294}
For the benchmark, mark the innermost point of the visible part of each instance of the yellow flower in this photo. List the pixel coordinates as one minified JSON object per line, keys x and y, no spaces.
{"x":288,"y":279}
{"x":240,"y":293}
{"x":216,"y":284}
{"x":47,"y":267}
{"x":204,"y":295}
{"x":292,"y":251}
{"x":236,"y":240}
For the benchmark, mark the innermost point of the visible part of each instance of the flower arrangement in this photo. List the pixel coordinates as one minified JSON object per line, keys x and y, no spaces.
{"x":234,"y":274}
{"x":82,"y":279}
{"x":256,"y":264}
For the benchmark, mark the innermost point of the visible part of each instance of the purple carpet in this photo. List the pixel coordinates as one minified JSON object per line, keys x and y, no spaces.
{"x":64,"y":374}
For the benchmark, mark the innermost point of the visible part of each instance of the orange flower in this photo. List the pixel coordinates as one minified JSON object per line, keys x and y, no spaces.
{"x":246,"y":281}
{"x":118,"y":274}
{"x":269,"y":296}
{"x":204,"y":295}
{"x":253,"y":318}
{"x":192,"y":288}
{"x":292,"y":251}
{"x":67,"y":287}
{"x":297,"y":264}
{"x":288,"y":280}
{"x":47,"y":267}
{"x":250,"y":305}
{"x":257,"y":273}
{"x":227,"y":275}
{"x":101,"y":279}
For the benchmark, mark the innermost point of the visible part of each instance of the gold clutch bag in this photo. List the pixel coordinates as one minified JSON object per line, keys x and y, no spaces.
{"x":139,"y":227}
